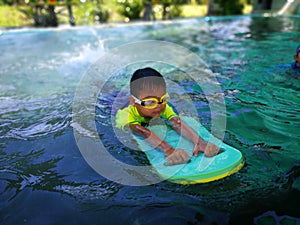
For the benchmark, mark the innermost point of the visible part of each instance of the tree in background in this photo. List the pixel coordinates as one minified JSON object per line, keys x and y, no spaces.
{"x":229,"y":7}
{"x":99,"y":14}
{"x":131,"y":9}
{"x":88,"y":12}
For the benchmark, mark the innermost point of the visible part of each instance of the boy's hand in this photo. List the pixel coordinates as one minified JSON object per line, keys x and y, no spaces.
{"x":178,"y":156}
{"x":208,"y":148}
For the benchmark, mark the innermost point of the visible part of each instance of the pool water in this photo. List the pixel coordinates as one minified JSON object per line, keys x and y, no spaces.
{"x":45,"y":180}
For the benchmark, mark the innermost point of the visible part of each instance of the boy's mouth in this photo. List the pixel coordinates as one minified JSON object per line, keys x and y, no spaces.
{"x":156,"y":113}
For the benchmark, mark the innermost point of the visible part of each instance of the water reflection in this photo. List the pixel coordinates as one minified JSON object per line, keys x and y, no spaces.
{"x":37,"y":171}
{"x":19,"y":172}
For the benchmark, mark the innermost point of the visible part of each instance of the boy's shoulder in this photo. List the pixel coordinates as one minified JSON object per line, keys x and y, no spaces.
{"x":287,"y":68}
{"x":128,"y":110}
{"x":295,"y":66}
{"x":127,"y":115}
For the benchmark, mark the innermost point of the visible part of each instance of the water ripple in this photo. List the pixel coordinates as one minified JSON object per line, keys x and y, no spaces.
{"x":24,"y":118}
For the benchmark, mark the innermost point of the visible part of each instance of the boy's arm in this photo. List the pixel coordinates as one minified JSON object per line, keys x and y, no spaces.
{"x":200,"y":145}
{"x":174,"y":156}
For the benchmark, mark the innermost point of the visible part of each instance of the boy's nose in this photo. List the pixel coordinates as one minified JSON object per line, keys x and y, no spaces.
{"x":159,"y":105}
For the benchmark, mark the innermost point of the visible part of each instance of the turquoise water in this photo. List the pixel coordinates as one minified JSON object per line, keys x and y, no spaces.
{"x":44,"y":178}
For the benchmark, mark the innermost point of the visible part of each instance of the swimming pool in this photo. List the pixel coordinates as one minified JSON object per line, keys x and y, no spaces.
{"x":45,"y":179}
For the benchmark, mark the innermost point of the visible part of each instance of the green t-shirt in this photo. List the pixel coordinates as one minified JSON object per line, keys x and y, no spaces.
{"x":130,"y":115}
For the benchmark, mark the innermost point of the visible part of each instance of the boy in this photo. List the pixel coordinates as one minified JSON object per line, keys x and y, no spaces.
{"x":296,"y":65}
{"x":149,"y":100}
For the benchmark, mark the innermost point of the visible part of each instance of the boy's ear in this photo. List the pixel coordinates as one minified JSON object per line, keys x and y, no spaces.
{"x":131,"y":100}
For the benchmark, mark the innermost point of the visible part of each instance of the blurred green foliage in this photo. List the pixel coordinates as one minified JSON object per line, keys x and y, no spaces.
{"x":88,"y":12}
{"x":12,"y":17}
{"x":92,"y":12}
{"x":230,"y":7}
{"x":131,"y":9}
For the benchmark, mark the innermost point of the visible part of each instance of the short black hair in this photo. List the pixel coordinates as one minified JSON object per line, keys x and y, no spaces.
{"x":146,"y":78}
{"x":297,"y":49}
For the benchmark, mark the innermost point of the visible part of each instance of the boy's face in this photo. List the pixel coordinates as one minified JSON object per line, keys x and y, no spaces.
{"x":151,"y":113}
{"x":297,"y":58}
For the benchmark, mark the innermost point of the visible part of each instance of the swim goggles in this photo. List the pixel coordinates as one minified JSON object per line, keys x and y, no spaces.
{"x":151,"y":103}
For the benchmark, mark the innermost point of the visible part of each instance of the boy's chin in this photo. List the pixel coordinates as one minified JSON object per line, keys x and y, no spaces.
{"x":155,"y":115}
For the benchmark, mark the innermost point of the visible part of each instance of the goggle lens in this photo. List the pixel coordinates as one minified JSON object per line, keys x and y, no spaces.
{"x":151,"y":103}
